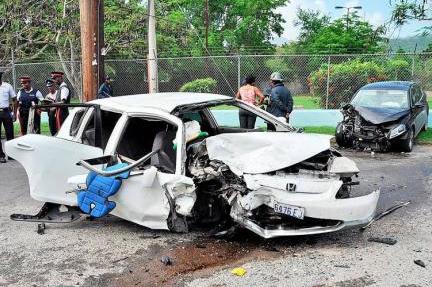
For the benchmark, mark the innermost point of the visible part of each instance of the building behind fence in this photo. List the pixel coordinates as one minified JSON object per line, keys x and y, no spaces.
{"x":330,"y":79}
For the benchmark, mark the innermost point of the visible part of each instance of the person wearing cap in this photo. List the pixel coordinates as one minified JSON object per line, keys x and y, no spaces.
{"x":7,"y":95}
{"x":51,"y":98}
{"x":27,"y":97}
{"x":280,"y":100}
{"x":64,"y":95}
{"x":249,"y":94}
{"x":105,"y":90}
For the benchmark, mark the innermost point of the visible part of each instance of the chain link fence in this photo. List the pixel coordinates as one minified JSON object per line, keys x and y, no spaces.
{"x":316,"y":81}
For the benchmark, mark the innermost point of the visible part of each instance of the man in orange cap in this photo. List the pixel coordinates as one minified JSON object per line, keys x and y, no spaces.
{"x":27,"y":97}
{"x":64,"y":95}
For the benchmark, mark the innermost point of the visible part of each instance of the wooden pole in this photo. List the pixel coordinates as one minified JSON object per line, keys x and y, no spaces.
{"x":88,"y":23}
{"x":152,"y":56}
{"x":100,"y":42}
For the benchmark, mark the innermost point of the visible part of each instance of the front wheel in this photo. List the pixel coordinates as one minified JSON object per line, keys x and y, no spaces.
{"x":340,"y":136}
{"x":406,"y":145}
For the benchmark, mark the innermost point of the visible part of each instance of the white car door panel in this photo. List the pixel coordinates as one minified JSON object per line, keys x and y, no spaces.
{"x":49,"y":162}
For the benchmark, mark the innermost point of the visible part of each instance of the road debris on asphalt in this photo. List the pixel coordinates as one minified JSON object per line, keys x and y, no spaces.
{"x":384,"y":240}
{"x":166,"y":260}
{"x":420,"y":263}
{"x":385,"y":213}
{"x":41,"y":228}
{"x":239,"y":271}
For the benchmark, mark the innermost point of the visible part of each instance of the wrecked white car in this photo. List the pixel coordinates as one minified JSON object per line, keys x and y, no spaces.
{"x":179,"y":161}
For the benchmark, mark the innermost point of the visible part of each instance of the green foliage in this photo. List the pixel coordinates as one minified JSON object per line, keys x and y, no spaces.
{"x":206,"y":85}
{"x":406,"y":10}
{"x":345,"y":79}
{"x":398,"y":69}
{"x":352,"y":35}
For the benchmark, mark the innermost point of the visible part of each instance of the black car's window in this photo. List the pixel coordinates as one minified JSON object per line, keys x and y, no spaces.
{"x":397,"y":99}
{"x":418,"y":94}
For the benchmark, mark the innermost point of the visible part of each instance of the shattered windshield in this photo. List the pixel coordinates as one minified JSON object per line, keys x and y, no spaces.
{"x":396,"y":99}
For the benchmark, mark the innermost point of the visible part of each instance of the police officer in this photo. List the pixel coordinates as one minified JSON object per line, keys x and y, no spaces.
{"x":27,"y":97}
{"x":64,"y":95}
{"x":51,"y":98}
{"x":7,"y":95}
{"x":280,"y":100}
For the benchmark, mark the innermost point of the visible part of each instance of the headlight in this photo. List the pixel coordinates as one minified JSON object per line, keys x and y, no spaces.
{"x":397,"y":131}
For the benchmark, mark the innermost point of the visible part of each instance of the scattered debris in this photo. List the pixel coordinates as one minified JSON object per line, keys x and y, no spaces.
{"x":420,"y":263}
{"x":121,"y":259}
{"x":385,"y":240}
{"x":41,"y":228}
{"x":386,"y":212}
{"x":200,"y":245}
{"x":166,"y":260}
{"x":239,"y":271}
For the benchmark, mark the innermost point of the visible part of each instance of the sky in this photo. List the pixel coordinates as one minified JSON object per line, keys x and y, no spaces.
{"x":377,"y":12}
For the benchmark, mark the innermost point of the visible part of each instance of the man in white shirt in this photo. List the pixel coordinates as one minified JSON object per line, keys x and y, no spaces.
{"x":28,"y":97}
{"x":7,"y":95}
{"x":51,"y":98}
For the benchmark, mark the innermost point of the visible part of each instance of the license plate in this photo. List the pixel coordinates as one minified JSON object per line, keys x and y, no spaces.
{"x":290,"y":210}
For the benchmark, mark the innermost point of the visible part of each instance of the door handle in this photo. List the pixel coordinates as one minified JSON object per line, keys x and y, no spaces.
{"x":23,"y":146}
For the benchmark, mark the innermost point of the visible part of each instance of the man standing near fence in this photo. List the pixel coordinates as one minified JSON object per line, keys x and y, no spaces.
{"x":106,"y":89}
{"x":280,"y":100}
{"x":27,"y":97}
{"x":7,"y":95}
{"x":64,"y":96}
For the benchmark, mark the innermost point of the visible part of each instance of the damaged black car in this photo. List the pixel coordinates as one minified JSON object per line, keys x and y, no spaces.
{"x":384,"y":116}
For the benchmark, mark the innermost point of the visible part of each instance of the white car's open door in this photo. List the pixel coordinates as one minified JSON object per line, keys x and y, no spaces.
{"x":49,"y":162}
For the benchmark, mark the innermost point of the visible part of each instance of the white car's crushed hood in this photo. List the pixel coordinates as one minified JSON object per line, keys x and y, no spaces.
{"x":260,"y":152}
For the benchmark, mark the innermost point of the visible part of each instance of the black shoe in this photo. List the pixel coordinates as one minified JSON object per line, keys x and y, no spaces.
{"x":2,"y":160}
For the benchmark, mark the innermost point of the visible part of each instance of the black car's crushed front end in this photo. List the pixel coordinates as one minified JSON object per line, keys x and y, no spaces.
{"x":356,"y":132}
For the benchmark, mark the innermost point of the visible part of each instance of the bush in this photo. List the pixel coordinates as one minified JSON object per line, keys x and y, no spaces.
{"x":345,"y":79}
{"x":206,"y":85}
{"x":398,"y":70}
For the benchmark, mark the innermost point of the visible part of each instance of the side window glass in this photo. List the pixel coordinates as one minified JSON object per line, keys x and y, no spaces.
{"x":228,"y":116}
{"x":76,"y":122}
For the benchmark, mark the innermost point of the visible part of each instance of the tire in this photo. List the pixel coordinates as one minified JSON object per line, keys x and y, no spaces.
{"x":406,"y":145}
{"x":340,"y":137}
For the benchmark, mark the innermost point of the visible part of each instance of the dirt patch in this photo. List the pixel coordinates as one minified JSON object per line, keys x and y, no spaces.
{"x":200,"y":256}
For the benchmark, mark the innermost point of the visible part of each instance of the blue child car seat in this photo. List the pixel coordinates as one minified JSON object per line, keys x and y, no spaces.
{"x":94,"y":199}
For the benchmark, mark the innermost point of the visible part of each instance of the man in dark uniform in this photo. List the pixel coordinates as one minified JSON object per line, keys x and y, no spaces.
{"x":105,"y":90}
{"x":280,"y":100}
{"x":64,"y":96}
{"x":7,"y":95}
{"x":27,"y":97}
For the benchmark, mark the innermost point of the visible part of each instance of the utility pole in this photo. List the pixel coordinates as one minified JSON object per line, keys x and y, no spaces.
{"x":152,"y":52}
{"x":348,"y":12}
{"x":206,"y":24}
{"x":92,"y":40}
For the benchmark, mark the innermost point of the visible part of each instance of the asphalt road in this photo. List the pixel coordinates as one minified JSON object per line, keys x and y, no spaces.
{"x":112,"y":252}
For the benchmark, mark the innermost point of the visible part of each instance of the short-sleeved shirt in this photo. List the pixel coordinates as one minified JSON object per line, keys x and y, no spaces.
{"x":64,"y":91}
{"x":248,"y":94}
{"x":38,"y":95}
{"x":6,"y":94}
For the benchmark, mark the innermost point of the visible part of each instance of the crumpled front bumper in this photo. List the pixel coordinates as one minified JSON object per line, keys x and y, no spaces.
{"x":342,"y":212}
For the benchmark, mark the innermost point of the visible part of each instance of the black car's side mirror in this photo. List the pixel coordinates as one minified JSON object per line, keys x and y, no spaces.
{"x":419,"y":105}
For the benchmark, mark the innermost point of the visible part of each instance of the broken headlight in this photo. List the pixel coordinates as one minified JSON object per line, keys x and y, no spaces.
{"x":397,"y":131}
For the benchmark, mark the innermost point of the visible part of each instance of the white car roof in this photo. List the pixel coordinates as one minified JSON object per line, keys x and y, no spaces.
{"x":163,"y":101}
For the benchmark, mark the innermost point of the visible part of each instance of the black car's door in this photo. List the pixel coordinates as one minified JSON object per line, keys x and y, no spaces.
{"x":418,"y":108}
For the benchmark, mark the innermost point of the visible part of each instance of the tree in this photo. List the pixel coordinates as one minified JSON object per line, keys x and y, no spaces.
{"x":318,"y":35}
{"x":235,"y":25}
{"x":407,"y":10}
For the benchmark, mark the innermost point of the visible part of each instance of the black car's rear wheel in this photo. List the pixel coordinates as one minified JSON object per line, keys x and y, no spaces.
{"x":407,"y":144}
